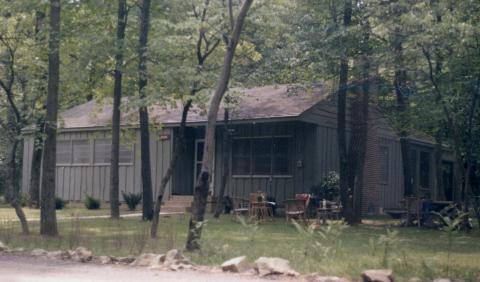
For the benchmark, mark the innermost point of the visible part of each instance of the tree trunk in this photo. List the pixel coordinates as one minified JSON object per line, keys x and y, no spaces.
{"x":48,"y":217}
{"x":36,"y":166}
{"x":345,"y":190}
{"x":147,"y":210}
{"x":180,"y":148}
{"x":117,"y":99}
{"x":226,"y":164}
{"x":201,"y":186}
{"x":12,"y":189}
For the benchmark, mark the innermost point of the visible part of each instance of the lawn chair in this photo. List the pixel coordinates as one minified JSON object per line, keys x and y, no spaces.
{"x":328,"y":210}
{"x":241,"y":207}
{"x":295,"y":208}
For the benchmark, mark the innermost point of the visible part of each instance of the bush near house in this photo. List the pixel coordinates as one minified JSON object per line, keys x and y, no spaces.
{"x":132,"y":199}
{"x":91,"y":203}
{"x":60,"y":203}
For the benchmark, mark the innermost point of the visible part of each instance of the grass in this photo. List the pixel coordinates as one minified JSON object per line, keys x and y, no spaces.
{"x":341,"y":251}
{"x":71,"y":210}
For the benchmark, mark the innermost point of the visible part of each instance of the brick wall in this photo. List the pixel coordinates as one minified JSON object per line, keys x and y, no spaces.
{"x":371,"y":179}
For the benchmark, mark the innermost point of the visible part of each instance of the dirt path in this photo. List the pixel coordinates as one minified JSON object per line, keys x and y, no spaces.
{"x":15,"y":268}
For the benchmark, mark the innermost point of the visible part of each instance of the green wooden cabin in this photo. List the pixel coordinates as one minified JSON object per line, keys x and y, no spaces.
{"x":284,"y":141}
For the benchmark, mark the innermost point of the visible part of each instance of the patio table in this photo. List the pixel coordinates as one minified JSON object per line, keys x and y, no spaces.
{"x":261,"y":211}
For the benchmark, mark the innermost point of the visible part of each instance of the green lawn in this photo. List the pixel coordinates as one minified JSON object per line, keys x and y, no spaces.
{"x":74,"y":210}
{"x":410,"y":252}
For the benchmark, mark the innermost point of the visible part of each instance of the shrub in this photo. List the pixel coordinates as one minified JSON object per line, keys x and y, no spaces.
{"x":59,"y":203}
{"x":91,"y":203}
{"x":24,"y":197}
{"x":329,"y":187}
{"x":132,"y":199}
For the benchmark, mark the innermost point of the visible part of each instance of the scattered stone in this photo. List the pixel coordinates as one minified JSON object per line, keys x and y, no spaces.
{"x":315,"y":277}
{"x":81,"y":254}
{"x":442,"y":280}
{"x":38,"y":252}
{"x":415,"y":279}
{"x":3,"y":247}
{"x":103,"y":260}
{"x":377,"y":275}
{"x":172,"y":256}
{"x":238,"y":264}
{"x":148,"y":259}
{"x":18,"y":250}
{"x":123,"y":260}
{"x":58,"y":255}
{"x":179,"y":266}
{"x":269,"y":266}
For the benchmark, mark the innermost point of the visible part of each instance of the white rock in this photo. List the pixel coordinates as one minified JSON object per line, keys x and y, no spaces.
{"x":320,"y":278}
{"x":38,"y":252}
{"x":268,"y":266}
{"x":81,"y":254}
{"x":172,"y":256}
{"x":148,"y":259}
{"x":3,"y":247}
{"x":238,"y":264}
{"x":442,"y":280}
{"x":103,"y":260}
{"x":58,"y":255}
{"x":377,"y":275}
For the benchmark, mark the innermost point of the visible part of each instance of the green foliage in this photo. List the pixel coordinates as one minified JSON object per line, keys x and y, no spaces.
{"x":24,"y":197}
{"x":328,"y":188}
{"x":60,"y":203}
{"x":132,"y":199}
{"x":91,"y":203}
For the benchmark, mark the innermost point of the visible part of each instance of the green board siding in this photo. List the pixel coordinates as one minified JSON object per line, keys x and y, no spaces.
{"x":74,"y":181}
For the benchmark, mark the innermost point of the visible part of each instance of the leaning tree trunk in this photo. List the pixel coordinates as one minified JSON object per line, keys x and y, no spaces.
{"x":147,"y":203}
{"x":201,"y":186}
{"x":226,"y":164}
{"x":117,"y":99}
{"x":180,"y":148}
{"x":12,"y":191}
{"x":346,"y":192}
{"x":48,"y":217}
{"x":36,"y":166}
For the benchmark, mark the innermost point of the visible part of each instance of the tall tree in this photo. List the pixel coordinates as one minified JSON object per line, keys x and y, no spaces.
{"x":346,"y":192}
{"x":147,"y":210}
{"x":203,"y":179}
{"x":204,"y":47}
{"x":117,"y":99}
{"x":48,"y":218}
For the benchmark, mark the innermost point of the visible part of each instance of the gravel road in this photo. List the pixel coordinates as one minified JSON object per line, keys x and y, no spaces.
{"x":17,"y":268}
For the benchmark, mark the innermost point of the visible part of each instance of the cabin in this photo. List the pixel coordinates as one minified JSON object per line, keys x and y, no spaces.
{"x":284,"y":141}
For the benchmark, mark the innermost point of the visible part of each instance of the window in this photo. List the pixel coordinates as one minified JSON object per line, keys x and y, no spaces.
{"x":64,"y":152}
{"x":424,"y":170}
{"x":384,"y":161}
{"x":241,"y":156}
{"x":81,"y":151}
{"x":103,"y":152}
{"x":261,"y":156}
{"x":126,"y":154}
{"x":280,"y":156}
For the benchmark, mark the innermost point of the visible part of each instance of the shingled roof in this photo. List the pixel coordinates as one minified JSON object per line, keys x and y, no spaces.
{"x":279,"y":101}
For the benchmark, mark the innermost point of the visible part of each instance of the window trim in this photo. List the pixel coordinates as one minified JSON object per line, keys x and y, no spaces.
{"x":253,"y":175}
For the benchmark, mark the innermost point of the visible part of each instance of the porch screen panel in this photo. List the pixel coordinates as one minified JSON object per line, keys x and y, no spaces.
{"x":241,"y":157}
{"x":424,"y":170}
{"x":280,"y":155}
{"x":126,"y":154}
{"x":64,"y":152}
{"x":262,"y":156}
{"x":81,"y":151}
{"x":102,"y":151}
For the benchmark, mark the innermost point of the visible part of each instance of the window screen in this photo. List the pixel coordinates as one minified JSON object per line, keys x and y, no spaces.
{"x":64,"y":152}
{"x":280,"y":155}
{"x":102,"y":151}
{"x":241,"y":156}
{"x":262,"y":156}
{"x":81,"y":151}
{"x":384,"y":164}
{"x":424,"y":170}
{"x":126,"y":154}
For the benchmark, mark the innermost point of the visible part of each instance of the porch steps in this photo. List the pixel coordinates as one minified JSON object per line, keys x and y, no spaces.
{"x":178,"y":203}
